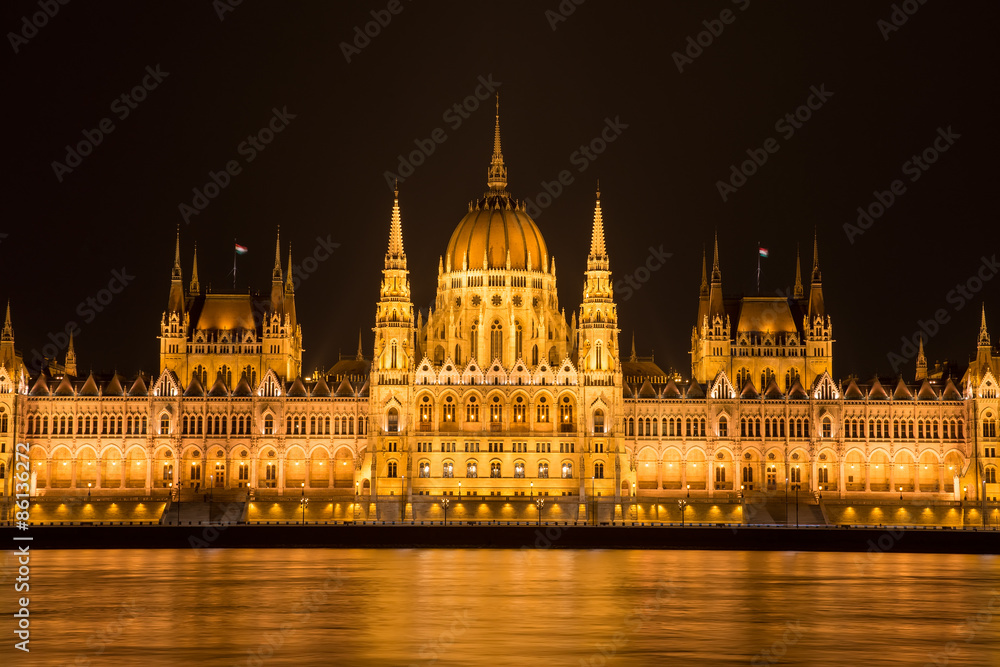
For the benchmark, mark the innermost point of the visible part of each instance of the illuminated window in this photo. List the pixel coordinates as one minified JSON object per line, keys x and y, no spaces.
{"x":470,"y":469}
{"x":543,"y":470}
{"x":495,"y":469}
{"x":164,"y":425}
{"x":723,"y":427}
{"x":567,"y":470}
{"x":519,"y":470}
{"x":472,"y":410}
{"x":268,"y":425}
{"x":599,"y":421}
{"x":392,"y":421}
{"x":448,"y":470}
{"x":424,"y":469}
{"x":391,"y":469}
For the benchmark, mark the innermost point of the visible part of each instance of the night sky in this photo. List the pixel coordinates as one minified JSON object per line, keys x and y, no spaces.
{"x":887,"y":90}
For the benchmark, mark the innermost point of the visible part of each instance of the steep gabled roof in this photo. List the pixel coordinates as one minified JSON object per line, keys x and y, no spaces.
{"x":926,"y":392}
{"x":853,"y":393}
{"x":902,"y":392}
{"x":90,"y":387}
{"x":138,"y":387}
{"x":695,"y":390}
{"x":646,"y":390}
{"x":321,"y":388}
{"x":219,"y":389}
{"x":344,"y":389}
{"x":41,"y":386}
{"x":194,"y":388}
{"x":243,"y":387}
{"x":65,"y":388}
{"x":773,"y":392}
{"x":363,"y":392}
{"x":749,"y":391}
{"x":114,"y":387}
{"x":877,"y":392}
{"x":297,"y":389}
{"x":627,"y":390}
{"x":671,"y":390}
{"x":951,"y":392}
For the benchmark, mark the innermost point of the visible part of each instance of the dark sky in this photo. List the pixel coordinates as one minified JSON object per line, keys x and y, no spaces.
{"x":323,"y":176}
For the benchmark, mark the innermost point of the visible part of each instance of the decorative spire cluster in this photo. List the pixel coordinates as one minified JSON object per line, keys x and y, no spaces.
{"x":984,"y":334}
{"x":276,"y":272}
{"x":8,"y":330}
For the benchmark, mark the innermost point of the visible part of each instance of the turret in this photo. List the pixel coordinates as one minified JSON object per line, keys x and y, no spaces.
{"x":921,"y":362}
{"x":70,"y":364}
{"x":194,"y":288}
{"x":798,"y":292}
{"x":597,"y":336}
{"x":175,"y":302}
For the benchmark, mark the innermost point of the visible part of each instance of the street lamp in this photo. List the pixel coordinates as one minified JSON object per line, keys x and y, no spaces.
{"x":593,"y":495}
{"x":88,"y":490}
{"x":635,"y":501}
{"x":900,"y":493}
{"x":683,"y":505}
{"x":539,"y":502}
{"x":689,"y":491}
{"x":444,"y":503}
{"x":355,"y":500}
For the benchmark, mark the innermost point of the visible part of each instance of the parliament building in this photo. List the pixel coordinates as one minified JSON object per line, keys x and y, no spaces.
{"x":499,"y":394}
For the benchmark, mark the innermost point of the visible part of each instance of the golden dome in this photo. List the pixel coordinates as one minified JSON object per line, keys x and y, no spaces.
{"x":495,"y":227}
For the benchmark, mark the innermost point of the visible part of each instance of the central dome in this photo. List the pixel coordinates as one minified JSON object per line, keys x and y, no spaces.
{"x":492,"y":228}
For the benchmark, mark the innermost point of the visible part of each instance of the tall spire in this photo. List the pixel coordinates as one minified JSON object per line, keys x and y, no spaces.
{"x":276,"y":271}
{"x":497,"y":176}
{"x":704,"y":274}
{"x":194,"y":288}
{"x":396,"y":230}
{"x":798,"y":292}
{"x":176,"y":273}
{"x":633,"y":357}
{"x":360,"y":355}
{"x":598,"y":258}
{"x":8,"y":330}
{"x":984,"y":334}
{"x":921,"y":362}
{"x":70,"y":364}
{"x":716,"y":271}
{"x":289,"y":284}
{"x":816,"y":276}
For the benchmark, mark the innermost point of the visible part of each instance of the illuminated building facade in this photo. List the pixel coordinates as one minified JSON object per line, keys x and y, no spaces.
{"x":498,"y":394}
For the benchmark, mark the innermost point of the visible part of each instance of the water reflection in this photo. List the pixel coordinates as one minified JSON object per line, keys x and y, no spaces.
{"x":460,"y":607}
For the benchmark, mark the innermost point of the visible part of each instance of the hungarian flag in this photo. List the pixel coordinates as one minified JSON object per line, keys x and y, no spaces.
{"x":241,"y":250}
{"x":762,"y":251}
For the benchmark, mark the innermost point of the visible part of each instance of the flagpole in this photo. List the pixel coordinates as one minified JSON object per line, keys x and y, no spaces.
{"x":758,"y":267}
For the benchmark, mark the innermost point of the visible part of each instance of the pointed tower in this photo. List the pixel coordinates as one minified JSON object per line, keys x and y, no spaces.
{"x":496,"y":177}
{"x":817,"y":328}
{"x":710,"y":341}
{"x":394,"y":334}
{"x":597,"y":335}
{"x":7,"y":354}
{"x":289,"y":295}
{"x":360,"y":356}
{"x":921,"y":362}
{"x":277,"y":288}
{"x":176,"y":319}
{"x":984,"y":351}
{"x":194,"y":288}
{"x":70,"y":364}
{"x":798,"y":292}
{"x":703,"y":293}
{"x":175,"y":302}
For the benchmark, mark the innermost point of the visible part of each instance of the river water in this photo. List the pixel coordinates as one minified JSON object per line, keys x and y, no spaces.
{"x":507,"y":607}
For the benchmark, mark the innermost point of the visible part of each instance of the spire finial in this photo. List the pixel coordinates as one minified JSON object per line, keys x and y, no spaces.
{"x":289,"y":285}
{"x":8,"y":330}
{"x":633,"y":357}
{"x":816,"y":275}
{"x":360,"y":355}
{"x":798,"y":291}
{"x":195,"y":286}
{"x":175,"y":274}
{"x":716,"y":271}
{"x":497,"y":175}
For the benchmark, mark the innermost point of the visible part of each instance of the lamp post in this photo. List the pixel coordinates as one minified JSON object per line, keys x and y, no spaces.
{"x":635,"y":504}
{"x":786,"y":502}
{"x":88,"y":490}
{"x":356,"y":500}
{"x":303,"y":501}
{"x":683,"y":505}
{"x":689,"y":491}
{"x":796,"y":505}
{"x":593,"y":495}
{"x":211,"y":486}
{"x":900,"y":493}
{"x":539,"y":502}
{"x":444,"y":503}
